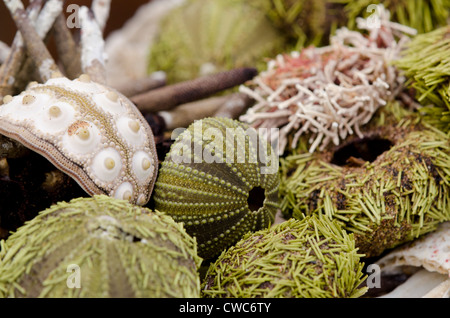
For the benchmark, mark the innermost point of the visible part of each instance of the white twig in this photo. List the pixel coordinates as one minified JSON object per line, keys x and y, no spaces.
{"x":92,"y":46}
{"x":51,"y":10}
{"x":5,"y":50}
{"x":101,"y":9}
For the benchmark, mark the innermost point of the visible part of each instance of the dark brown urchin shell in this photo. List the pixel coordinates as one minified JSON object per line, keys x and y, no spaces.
{"x":387,"y":188}
{"x":118,"y":250}
{"x":313,"y":257}
{"x":213,"y":197}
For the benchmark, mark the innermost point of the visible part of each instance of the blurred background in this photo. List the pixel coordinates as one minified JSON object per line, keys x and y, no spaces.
{"x":121,"y":11}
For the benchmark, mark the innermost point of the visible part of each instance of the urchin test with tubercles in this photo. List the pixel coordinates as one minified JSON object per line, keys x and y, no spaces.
{"x":90,"y":131}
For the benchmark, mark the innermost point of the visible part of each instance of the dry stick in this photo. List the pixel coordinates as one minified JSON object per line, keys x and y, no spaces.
{"x":92,"y":46}
{"x":168,"y":97}
{"x":11,"y":66}
{"x":235,"y":105}
{"x":185,"y":114}
{"x":67,"y":49}
{"x":140,"y":85}
{"x":35,"y":47}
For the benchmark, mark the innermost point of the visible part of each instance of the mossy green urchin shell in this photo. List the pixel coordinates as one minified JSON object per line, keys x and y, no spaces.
{"x":203,"y":36}
{"x":117,"y":249}
{"x":221,"y":180}
{"x":387,"y":188}
{"x":422,"y":15}
{"x":426,"y":62}
{"x":313,"y":257}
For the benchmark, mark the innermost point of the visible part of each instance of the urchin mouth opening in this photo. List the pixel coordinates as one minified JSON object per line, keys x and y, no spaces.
{"x":360,"y":150}
{"x":256,"y":198}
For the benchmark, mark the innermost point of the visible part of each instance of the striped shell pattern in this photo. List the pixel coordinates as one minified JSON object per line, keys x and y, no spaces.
{"x":218,"y":194}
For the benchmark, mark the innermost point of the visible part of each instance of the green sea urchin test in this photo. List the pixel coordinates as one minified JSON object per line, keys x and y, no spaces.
{"x":99,"y":247}
{"x":387,"y":188}
{"x":203,"y":37}
{"x":221,"y":180}
{"x":426,"y":62}
{"x":313,"y":257}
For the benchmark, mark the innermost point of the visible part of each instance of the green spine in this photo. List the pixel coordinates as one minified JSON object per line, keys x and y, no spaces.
{"x":402,"y":194}
{"x":122,"y":250}
{"x":422,"y":15}
{"x":313,"y":257}
{"x":426,"y":62}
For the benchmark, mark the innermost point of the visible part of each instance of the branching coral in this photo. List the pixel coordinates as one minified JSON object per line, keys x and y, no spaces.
{"x":331,"y":91}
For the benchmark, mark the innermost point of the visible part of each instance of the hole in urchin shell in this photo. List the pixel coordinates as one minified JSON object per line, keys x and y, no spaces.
{"x":360,"y":150}
{"x":256,"y":198}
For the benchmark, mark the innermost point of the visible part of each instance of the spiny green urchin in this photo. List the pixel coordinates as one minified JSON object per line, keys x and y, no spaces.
{"x":220,"y":178}
{"x":99,"y":247}
{"x":304,"y":22}
{"x":387,"y":188}
{"x":313,"y":257}
{"x":426,"y":62}
{"x":203,"y":37}
{"x":422,"y":15}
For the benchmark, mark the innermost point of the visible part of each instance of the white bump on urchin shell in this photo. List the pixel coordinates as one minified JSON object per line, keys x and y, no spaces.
{"x":99,"y":167}
{"x":139,"y":162}
{"x":16,"y":110}
{"x":133,"y":138}
{"x":46,"y":123}
{"x":108,"y":105}
{"x":123,"y":190}
{"x":74,"y":144}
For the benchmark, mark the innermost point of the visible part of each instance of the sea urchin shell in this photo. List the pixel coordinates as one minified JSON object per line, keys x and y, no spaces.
{"x":118,"y":250}
{"x":91,"y":132}
{"x":313,"y":257}
{"x":389,"y":187}
{"x":218,"y":190}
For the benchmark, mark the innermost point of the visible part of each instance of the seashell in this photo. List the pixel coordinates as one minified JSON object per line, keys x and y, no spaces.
{"x":91,"y":132}
{"x":389,"y":187}
{"x":430,"y":254}
{"x":313,"y":257}
{"x":218,"y":190}
{"x":99,"y":247}
{"x":203,"y":37}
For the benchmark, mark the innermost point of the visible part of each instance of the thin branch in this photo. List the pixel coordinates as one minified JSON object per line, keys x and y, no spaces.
{"x":235,"y":105}
{"x":168,"y":97}
{"x":67,"y":49}
{"x":134,"y":87}
{"x":186,"y":114}
{"x":11,"y":66}
{"x":44,"y":22}
{"x":35,"y":47}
